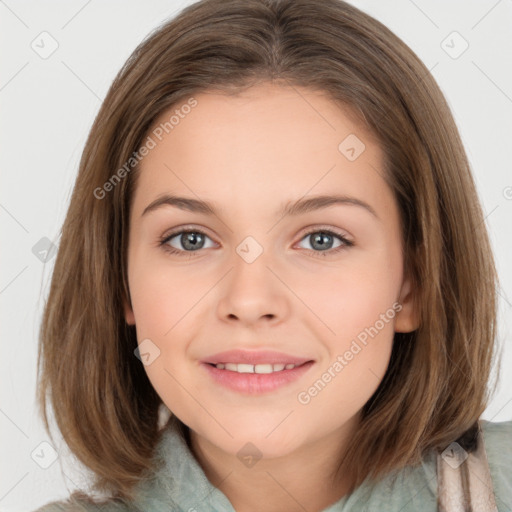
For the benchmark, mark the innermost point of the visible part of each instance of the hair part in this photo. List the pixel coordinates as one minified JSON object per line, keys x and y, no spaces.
{"x":436,"y":384}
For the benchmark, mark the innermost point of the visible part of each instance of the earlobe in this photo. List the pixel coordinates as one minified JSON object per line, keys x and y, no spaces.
{"x":128,"y":313}
{"x":407,"y":319}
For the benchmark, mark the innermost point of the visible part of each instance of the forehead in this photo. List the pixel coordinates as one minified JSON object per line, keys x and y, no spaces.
{"x":265,"y":143}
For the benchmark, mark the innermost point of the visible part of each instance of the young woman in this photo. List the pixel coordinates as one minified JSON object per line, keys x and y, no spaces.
{"x":275,"y":236}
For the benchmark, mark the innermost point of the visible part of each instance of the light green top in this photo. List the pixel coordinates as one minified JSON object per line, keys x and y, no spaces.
{"x":181,"y":484}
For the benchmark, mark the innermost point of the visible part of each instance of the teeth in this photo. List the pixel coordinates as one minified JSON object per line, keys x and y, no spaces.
{"x":245,"y":368}
{"x":251,"y":368}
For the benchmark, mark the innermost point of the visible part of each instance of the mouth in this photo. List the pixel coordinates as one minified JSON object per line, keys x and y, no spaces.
{"x":255,"y":358}
{"x":255,"y":373}
{"x":264,"y":368}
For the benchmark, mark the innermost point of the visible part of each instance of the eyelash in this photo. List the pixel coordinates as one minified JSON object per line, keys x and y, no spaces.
{"x":321,"y":254}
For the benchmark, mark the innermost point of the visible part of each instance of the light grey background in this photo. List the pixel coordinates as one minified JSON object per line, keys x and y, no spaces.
{"x":48,"y":106}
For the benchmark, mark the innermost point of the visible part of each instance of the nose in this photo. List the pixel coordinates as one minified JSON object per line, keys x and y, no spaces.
{"x":251,"y":293}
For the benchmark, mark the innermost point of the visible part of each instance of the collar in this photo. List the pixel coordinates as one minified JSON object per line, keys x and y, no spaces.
{"x":178,"y":479}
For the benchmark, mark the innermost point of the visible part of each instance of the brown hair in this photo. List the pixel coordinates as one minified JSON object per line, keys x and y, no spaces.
{"x":436,"y":385}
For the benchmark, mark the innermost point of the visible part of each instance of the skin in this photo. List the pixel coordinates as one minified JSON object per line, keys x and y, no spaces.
{"x":248,"y":155}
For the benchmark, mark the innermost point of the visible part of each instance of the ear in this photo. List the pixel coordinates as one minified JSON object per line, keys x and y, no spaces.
{"x":128,"y":313}
{"x":407,"y":319}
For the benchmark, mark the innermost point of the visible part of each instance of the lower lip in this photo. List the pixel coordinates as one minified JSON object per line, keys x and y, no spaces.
{"x":256,"y":383}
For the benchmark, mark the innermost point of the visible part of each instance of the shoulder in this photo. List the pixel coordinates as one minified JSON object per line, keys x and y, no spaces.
{"x":498,"y":443}
{"x":498,"y":447}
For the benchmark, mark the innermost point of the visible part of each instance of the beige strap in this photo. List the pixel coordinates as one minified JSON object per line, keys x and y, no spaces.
{"x":464,"y":480}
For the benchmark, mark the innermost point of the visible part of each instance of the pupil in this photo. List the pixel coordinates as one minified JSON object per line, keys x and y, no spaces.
{"x":192,"y":240}
{"x":322,"y":239}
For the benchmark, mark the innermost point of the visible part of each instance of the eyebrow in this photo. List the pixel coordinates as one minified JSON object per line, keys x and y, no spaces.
{"x":289,"y":209}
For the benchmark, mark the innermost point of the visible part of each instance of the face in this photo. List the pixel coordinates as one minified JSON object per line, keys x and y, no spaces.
{"x":321,"y":287}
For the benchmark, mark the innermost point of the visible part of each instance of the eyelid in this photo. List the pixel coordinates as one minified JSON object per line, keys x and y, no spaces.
{"x":319,"y":227}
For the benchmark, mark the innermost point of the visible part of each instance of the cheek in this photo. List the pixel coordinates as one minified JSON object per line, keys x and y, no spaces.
{"x":160,"y":297}
{"x":163,"y":304}
{"x":359,"y":355}
{"x":161,"y":301}
{"x":353,"y":299}
{"x":359,"y":307}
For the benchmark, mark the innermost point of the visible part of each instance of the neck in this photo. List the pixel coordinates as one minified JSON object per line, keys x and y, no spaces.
{"x":305,"y":479}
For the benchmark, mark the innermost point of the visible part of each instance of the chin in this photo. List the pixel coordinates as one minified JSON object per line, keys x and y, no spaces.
{"x":261,"y":440}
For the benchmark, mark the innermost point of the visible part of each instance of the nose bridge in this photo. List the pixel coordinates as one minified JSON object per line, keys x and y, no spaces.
{"x":251,"y":250}
{"x":250,"y":264}
{"x":251,"y":290}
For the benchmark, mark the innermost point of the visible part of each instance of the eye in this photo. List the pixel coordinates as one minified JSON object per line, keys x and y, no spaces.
{"x":190,"y":240}
{"x":321,"y":241}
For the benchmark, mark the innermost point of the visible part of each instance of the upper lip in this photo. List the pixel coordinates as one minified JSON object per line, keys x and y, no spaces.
{"x":255,"y":357}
